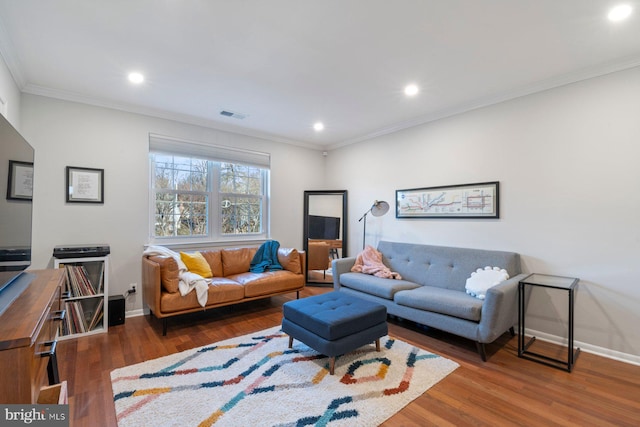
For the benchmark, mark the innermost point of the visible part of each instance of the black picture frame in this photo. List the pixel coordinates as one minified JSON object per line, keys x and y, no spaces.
{"x":477,"y":200}
{"x":84,"y":185}
{"x":20,"y":181}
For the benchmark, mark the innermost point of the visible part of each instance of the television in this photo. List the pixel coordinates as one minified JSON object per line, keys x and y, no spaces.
{"x":324,"y":227}
{"x":16,"y":176}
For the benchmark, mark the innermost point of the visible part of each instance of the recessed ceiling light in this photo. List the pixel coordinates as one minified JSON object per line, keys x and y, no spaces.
{"x":411,"y":90}
{"x":318,"y":126}
{"x":619,"y":13}
{"x":136,"y":78}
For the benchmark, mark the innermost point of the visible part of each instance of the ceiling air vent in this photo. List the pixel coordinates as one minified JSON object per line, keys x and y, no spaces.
{"x":233,"y":114}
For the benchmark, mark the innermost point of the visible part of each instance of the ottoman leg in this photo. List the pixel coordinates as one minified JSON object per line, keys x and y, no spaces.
{"x":290,"y":341}
{"x":332,"y":364}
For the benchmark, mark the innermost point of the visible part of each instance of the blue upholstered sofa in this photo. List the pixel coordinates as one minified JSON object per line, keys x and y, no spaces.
{"x":432,"y":290}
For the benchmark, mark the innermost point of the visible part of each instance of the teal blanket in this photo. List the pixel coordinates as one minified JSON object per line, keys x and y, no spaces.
{"x":266,"y":258}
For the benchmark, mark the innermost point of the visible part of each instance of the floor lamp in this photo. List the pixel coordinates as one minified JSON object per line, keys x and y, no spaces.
{"x":378,"y":208}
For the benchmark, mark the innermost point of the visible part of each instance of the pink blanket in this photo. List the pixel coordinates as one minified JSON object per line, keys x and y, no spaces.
{"x":369,"y":261}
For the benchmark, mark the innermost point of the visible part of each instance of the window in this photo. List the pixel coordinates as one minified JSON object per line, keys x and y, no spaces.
{"x":196,"y":197}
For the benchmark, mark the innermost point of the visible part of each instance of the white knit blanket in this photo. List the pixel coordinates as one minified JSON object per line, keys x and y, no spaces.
{"x":188,"y":280}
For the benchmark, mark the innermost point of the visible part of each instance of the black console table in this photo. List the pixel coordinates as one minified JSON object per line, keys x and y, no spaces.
{"x":568,"y":284}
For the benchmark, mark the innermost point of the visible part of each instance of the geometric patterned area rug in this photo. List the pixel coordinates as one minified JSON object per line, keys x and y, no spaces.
{"x":256,"y":380}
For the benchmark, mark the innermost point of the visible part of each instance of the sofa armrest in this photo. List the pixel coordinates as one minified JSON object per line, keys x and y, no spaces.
{"x":499,"y":309}
{"x":303,"y":261}
{"x":340,"y":266}
{"x":151,"y":285}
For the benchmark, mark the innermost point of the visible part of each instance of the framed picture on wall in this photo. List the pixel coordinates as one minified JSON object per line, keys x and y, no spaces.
{"x":480,"y":200}
{"x":20,"y":181}
{"x":84,"y":185}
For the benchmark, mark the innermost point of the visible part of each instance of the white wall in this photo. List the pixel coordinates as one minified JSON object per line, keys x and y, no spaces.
{"x":71,"y":134}
{"x":567,"y":162}
{"x":9,"y":96}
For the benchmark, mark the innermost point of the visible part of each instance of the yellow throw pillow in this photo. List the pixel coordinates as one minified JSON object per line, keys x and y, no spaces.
{"x":196,"y":263}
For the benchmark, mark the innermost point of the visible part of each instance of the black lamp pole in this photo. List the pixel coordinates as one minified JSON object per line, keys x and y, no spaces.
{"x":378,"y":208}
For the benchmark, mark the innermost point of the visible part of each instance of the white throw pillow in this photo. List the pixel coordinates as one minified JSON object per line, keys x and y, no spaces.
{"x":483,"y":279}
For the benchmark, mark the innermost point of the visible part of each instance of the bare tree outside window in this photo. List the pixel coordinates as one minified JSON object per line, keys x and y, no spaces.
{"x":184,"y":196}
{"x":181,"y":196}
{"x":241,"y":191}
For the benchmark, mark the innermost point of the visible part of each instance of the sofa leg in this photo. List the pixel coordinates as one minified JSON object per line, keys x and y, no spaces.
{"x":297,"y":294}
{"x":512,"y":331}
{"x":165,"y":321}
{"x":481,"y":351}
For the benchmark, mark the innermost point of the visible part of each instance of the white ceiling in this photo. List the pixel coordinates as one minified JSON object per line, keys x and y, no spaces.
{"x":289,"y":63}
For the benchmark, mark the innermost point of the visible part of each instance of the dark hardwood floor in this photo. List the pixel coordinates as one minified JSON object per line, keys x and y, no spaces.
{"x":503,"y":391}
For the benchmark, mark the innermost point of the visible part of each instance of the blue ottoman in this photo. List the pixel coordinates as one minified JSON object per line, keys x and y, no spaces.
{"x":334,"y":323}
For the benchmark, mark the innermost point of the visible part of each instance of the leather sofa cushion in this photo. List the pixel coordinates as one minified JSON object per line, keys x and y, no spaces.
{"x":289,"y":259}
{"x":214,"y":258}
{"x":221,"y":290}
{"x":444,"y":301}
{"x":236,"y":260}
{"x":168,"y":272}
{"x":256,"y":284}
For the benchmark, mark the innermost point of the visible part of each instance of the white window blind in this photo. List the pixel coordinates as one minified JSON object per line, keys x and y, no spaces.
{"x":165,"y":144}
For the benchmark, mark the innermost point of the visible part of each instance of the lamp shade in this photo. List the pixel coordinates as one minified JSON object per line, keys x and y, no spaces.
{"x":379,"y":208}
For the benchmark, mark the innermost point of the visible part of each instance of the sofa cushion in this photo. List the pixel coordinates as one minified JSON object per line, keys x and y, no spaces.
{"x":444,"y":267}
{"x":221,"y":290}
{"x":168,"y":272}
{"x":214,"y":259}
{"x":256,"y":284}
{"x":289,"y":259}
{"x":196,"y":263}
{"x":439,"y":300}
{"x":236,"y":260}
{"x":378,"y":286}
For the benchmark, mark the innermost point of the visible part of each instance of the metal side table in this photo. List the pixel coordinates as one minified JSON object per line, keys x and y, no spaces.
{"x":568,"y":284}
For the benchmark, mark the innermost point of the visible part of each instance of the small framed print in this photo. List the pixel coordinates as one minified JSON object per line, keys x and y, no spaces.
{"x":85,"y":185}
{"x":20,"y":181}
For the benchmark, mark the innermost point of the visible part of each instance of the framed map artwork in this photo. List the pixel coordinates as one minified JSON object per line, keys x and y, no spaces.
{"x":479,"y":200}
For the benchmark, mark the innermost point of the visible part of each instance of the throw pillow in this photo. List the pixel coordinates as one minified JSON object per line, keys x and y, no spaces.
{"x":196,"y":263}
{"x":289,"y":258}
{"x":483,"y":279}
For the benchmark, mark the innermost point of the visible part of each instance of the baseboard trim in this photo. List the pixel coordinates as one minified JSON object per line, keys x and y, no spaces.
{"x":588,"y":348}
{"x":134,"y":313}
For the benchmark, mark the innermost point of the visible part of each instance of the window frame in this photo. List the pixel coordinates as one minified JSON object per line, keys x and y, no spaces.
{"x":214,"y":232}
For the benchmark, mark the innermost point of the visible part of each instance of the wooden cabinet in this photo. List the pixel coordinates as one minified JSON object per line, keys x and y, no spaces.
{"x":28,"y":333}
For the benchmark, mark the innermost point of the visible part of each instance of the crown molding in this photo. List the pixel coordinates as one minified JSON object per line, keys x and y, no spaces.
{"x":541,"y":86}
{"x":158,"y":113}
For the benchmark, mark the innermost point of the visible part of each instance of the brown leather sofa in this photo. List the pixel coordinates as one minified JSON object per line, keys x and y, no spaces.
{"x":232,"y":282}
